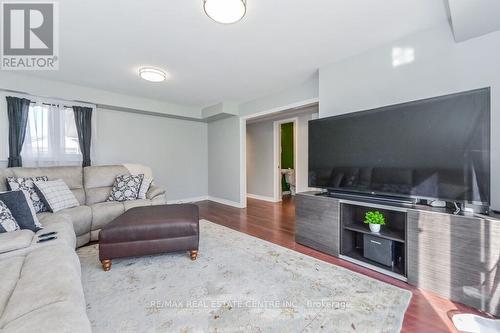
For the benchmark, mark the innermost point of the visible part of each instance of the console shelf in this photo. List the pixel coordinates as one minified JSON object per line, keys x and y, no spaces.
{"x":354,"y":232}
{"x":358,"y":257}
{"x":384,"y":233}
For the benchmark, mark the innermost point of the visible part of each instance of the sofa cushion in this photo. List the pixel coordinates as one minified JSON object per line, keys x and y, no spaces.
{"x":72,"y":176}
{"x":154,"y":191}
{"x":49,"y":275}
{"x":159,"y":200}
{"x":56,"y":195}
{"x":60,"y":223}
{"x":98,"y":181}
{"x":98,"y":194}
{"x":60,"y":317}
{"x":80,"y":217}
{"x":102,"y":176}
{"x":11,"y":269}
{"x":28,"y":242}
{"x":83,"y":239}
{"x":137,"y":169}
{"x":4,"y":173}
{"x":22,"y":209}
{"x":16,"y":240}
{"x":27,"y":184}
{"x":105,"y":212}
{"x":49,"y":218}
{"x":136,"y":203}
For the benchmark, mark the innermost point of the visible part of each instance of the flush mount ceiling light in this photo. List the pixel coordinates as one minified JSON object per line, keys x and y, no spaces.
{"x":225,"y":11}
{"x":152,"y":74}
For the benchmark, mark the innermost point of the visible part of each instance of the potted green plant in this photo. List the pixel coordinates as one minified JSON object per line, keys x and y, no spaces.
{"x":374,"y":219}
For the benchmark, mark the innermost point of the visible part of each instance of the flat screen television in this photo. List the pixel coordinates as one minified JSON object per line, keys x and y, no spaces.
{"x":434,"y":149}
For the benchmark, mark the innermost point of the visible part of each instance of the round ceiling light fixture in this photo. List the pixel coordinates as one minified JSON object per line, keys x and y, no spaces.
{"x":152,"y":74}
{"x":225,"y":11}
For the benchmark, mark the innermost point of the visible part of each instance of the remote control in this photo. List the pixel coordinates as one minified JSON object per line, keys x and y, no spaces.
{"x":46,"y":239}
{"x":47,"y":234}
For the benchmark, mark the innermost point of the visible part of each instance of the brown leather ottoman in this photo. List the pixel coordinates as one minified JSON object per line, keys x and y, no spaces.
{"x":150,"y":230}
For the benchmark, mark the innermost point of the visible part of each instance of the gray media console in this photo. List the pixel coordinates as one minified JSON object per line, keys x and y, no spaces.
{"x":455,"y":256}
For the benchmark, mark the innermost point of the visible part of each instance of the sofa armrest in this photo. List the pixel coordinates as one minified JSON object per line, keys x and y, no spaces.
{"x":154,"y":191}
{"x":15,"y":240}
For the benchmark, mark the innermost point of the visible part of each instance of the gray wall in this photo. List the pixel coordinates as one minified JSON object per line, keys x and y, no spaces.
{"x":224,"y":159}
{"x":176,"y":150}
{"x":441,"y":66}
{"x":260,"y":159}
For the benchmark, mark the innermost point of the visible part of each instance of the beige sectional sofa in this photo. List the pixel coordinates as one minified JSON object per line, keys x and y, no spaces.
{"x":41,"y":287}
{"x":91,"y":187}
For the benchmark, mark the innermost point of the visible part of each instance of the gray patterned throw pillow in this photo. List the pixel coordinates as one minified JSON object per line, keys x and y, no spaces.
{"x":27,"y":184}
{"x":126,"y":188}
{"x":7,"y":221}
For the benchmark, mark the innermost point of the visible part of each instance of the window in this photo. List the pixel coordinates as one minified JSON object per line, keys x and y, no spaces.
{"x":51,"y":137}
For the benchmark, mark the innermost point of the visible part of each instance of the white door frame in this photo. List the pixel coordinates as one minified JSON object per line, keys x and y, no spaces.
{"x":243,"y":141}
{"x":277,"y":192}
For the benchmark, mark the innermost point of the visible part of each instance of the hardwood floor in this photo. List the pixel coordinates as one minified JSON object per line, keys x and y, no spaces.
{"x":275,"y":222}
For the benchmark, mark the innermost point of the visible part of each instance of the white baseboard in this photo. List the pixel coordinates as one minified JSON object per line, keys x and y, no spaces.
{"x":226,"y":202}
{"x":187,"y":200}
{"x":260,"y":197}
{"x":206,"y":197}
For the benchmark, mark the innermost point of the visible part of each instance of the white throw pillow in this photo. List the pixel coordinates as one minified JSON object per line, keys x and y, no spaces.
{"x":7,"y":221}
{"x":146,"y":183}
{"x":56,"y":195}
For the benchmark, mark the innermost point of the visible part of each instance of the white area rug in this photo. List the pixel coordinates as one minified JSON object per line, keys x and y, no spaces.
{"x":239,"y":283}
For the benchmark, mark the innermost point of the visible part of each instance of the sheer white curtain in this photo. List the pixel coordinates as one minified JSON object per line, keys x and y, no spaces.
{"x":51,"y":137}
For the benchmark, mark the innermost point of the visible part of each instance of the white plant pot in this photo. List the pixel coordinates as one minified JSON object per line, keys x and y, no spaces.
{"x":375,"y":228}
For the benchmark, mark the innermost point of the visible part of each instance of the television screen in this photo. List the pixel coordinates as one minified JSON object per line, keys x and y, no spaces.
{"x":437,"y":148}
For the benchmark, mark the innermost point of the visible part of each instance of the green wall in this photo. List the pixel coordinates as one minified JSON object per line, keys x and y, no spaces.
{"x":286,"y":151}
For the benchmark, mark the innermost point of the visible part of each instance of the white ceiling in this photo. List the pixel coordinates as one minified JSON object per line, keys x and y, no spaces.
{"x":474,"y":18}
{"x":278,"y":44}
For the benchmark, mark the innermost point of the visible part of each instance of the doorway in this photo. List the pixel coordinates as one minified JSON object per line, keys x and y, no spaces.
{"x":275,"y":154}
{"x":285,"y":133}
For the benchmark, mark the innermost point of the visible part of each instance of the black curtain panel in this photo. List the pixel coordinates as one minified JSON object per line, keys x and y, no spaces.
{"x":83,"y":120}
{"x":17,"y":112}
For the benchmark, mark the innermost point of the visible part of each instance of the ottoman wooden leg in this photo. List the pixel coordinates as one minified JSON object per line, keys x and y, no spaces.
{"x":106,"y":265}
{"x":193,"y":254}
